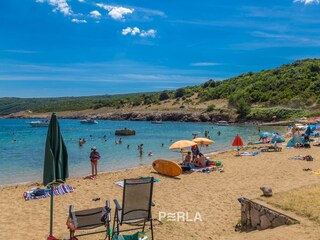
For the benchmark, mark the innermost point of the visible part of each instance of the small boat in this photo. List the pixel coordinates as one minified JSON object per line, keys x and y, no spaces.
{"x":222,"y":123}
{"x":157,"y":122}
{"x":125,"y":132}
{"x":88,"y":121}
{"x":40,"y":123}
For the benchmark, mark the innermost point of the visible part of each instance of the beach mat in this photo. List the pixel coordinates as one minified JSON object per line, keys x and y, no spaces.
{"x":121,"y":183}
{"x":59,"y":190}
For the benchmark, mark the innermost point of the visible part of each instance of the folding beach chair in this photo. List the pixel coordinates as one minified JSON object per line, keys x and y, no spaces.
{"x":136,"y":205}
{"x":89,"y":219}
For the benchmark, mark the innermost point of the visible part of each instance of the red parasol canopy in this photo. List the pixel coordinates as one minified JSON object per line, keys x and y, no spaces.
{"x":237,"y":141}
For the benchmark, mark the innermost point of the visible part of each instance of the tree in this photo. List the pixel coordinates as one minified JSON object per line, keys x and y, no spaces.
{"x":243,"y":108}
{"x":179,"y":93}
{"x":164,"y":96}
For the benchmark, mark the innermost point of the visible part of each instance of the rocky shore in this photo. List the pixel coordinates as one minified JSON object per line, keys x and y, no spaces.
{"x":135,"y":116}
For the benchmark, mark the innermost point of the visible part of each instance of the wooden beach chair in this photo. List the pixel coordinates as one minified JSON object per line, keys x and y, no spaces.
{"x":89,"y":219}
{"x":136,"y":206}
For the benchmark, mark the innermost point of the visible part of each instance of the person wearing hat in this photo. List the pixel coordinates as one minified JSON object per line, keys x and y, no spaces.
{"x":94,"y":157}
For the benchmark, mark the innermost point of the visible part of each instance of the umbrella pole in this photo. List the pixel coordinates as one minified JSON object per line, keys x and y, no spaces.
{"x":51,"y":237}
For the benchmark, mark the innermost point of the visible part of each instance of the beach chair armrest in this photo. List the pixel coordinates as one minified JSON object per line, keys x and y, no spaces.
{"x":108,"y":204}
{"x":118,"y":207}
{"x":72,"y":222}
{"x":108,"y":219}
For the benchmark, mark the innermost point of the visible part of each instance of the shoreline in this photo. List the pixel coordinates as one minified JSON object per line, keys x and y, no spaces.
{"x":166,"y":116}
{"x":38,"y":182}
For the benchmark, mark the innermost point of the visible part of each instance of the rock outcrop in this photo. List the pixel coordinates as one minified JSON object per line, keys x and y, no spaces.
{"x":255,"y":216}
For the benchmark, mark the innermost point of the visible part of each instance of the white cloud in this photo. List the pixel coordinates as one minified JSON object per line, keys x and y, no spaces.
{"x":136,"y":31}
{"x":116,"y":13}
{"x":95,"y":14}
{"x":204,"y":64}
{"x":81,"y":1}
{"x":59,"y":5}
{"x":148,"y":33}
{"x":126,"y":31}
{"x":308,"y":1}
{"x":78,"y":21}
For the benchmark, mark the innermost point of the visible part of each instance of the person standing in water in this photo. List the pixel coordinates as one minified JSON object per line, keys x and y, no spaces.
{"x":94,"y":157}
{"x":141,"y":150}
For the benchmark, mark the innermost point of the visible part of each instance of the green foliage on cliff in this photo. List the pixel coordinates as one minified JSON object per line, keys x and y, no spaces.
{"x":295,"y":85}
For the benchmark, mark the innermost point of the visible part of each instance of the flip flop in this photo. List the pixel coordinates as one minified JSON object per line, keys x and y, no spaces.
{"x":307,"y":169}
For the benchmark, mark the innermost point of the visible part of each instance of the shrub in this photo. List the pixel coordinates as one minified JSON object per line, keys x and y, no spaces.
{"x":210,"y":107}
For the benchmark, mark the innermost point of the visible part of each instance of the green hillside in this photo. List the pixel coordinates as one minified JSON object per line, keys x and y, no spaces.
{"x":12,"y":105}
{"x":292,"y":87}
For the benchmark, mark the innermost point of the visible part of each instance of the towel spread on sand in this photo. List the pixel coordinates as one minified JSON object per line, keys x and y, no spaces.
{"x":202,"y":169}
{"x":59,"y":190}
{"x":121,"y":183}
{"x":249,"y":153}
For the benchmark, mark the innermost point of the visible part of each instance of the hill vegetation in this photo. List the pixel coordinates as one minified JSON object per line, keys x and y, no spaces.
{"x":287,"y":91}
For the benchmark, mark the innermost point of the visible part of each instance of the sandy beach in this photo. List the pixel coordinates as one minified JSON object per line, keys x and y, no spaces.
{"x":212,"y":195}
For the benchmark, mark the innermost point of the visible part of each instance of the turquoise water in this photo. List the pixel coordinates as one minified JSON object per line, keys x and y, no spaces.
{"x":22,"y":146}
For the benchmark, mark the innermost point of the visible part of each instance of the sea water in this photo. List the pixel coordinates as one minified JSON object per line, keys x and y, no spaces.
{"x":22,"y":146}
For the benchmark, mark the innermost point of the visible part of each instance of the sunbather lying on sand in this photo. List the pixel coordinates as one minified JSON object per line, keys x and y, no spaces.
{"x":202,"y":161}
{"x":299,"y":157}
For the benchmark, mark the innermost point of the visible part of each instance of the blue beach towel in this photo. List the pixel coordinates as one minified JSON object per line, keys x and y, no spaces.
{"x":249,"y":153}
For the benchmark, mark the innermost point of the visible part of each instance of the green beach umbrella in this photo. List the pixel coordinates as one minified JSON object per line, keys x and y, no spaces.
{"x":55,"y":170}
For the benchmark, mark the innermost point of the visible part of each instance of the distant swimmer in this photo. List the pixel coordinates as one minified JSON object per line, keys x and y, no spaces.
{"x":219,"y":133}
{"x":128,"y":146}
{"x":162,"y":145}
{"x":81,"y":142}
{"x":150,"y":154}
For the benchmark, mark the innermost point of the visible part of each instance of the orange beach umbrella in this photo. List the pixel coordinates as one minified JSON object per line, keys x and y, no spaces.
{"x":203,"y":141}
{"x":182,"y":144}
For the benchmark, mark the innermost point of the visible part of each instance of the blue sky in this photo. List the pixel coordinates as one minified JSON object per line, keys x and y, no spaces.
{"x":51,"y":48}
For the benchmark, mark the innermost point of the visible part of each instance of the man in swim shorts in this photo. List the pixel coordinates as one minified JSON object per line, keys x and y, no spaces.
{"x":94,"y":157}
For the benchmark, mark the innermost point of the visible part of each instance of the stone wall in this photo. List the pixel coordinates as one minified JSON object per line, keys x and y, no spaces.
{"x":255,"y":216}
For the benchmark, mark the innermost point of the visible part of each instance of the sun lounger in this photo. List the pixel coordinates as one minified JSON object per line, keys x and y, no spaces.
{"x":136,"y":206}
{"x":89,"y":219}
{"x":121,"y":183}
